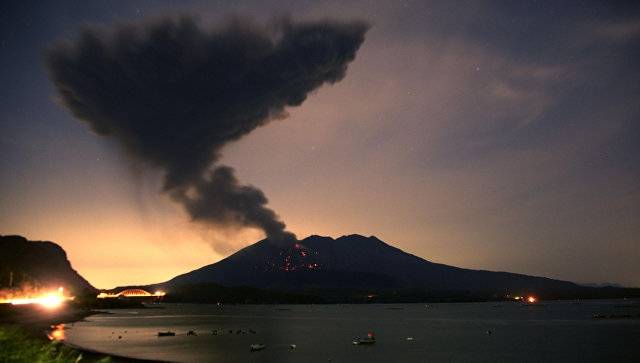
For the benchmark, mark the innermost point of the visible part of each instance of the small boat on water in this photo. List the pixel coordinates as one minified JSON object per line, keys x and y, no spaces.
{"x":257,"y":347}
{"x":166,"y":334}
{"x":370,"y":339}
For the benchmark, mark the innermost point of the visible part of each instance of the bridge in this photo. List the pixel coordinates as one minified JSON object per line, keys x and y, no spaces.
{"x":131,"y":293}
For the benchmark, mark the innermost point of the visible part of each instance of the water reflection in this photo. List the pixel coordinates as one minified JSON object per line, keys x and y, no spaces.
{"x":57,"y":332}
{"x":486,"y":332}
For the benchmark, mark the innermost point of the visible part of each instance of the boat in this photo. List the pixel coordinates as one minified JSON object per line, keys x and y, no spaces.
{"x":370,"y":339}
{"x":257,"y":347}
{"x":365,"y":341}
{"x":166,"y":334}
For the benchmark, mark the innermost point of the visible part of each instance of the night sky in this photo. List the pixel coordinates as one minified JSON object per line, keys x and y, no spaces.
{"x":493,"y":135}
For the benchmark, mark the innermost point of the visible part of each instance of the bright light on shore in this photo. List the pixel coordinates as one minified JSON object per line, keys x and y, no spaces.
{"x":50,"y":300}
{"x":531,"y":299}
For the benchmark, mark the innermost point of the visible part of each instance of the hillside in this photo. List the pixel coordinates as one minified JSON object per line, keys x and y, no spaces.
{"x":37,"y":264}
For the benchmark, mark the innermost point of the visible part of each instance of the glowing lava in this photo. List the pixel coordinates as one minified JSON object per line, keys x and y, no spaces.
{"x":293,"y":259}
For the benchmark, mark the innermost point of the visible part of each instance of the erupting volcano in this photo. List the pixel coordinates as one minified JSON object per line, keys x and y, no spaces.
{"x":352,"y":262}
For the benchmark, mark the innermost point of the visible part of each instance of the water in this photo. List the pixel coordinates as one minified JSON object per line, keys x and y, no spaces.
{"x":549,"y":331}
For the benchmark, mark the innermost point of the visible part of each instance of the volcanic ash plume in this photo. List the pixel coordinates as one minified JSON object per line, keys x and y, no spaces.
{"x":173,"y":94}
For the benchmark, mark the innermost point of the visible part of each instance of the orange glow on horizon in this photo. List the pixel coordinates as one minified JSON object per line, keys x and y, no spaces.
{"x":531,"y":299}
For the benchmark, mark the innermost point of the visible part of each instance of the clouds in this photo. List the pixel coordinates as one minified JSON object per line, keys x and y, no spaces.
{"x":489,"y":152}
{"x":620,"y":31}
{"x":492,"y":135}
{"x":174,"y":94}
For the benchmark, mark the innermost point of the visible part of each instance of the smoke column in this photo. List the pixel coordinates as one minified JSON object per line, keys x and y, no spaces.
{"x":173,"y":94}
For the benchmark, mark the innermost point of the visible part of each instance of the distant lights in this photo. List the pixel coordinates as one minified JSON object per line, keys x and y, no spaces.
{"x":530,"y":299}
{"x":131,"y":293}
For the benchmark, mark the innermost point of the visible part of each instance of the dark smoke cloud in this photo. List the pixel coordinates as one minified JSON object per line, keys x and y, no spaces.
{"x":173,"y":94}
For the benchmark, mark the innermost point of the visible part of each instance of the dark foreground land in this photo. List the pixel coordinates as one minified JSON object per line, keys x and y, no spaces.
{"x":26,"y":336}
{"x":17,"y":345}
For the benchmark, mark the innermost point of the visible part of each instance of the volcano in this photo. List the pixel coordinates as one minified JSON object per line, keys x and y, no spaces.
{"x":354,"y":262}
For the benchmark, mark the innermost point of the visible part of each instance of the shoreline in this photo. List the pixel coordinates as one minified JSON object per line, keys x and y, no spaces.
{"x":478,"y":319}
{"x":95,"y":354}
{"x":37,"y":324}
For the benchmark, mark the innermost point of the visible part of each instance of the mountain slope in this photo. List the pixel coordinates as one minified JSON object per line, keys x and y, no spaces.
{"x":37,"y":264}
{"x":352,"y":262}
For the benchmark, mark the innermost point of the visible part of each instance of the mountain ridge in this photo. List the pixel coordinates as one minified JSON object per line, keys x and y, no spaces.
{"x":37,"y":264}
{"x":354,"y":262}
